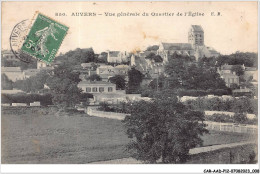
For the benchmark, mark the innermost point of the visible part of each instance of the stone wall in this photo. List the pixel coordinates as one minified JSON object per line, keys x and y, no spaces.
{"x":226,"y":155}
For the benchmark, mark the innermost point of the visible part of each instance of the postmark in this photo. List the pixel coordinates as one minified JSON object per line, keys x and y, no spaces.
{"x":17,"y":37}
{"x":44,"y":38}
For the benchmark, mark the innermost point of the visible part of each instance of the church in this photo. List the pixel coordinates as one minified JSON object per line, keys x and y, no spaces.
{"x":195,"y":46}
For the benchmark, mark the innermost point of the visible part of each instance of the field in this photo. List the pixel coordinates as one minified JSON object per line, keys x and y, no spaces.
{"x":49,"y":138}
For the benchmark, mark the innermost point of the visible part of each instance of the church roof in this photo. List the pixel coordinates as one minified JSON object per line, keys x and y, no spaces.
{"x":197,"y":28}
{"x":177,"y":46}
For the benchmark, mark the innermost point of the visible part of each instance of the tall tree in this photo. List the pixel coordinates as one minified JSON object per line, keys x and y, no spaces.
{"x":135,"y":78}
{"x":63,"y":85}
{"x":163,"y":129}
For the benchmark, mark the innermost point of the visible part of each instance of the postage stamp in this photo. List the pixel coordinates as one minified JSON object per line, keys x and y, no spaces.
{"x":44,"y":38}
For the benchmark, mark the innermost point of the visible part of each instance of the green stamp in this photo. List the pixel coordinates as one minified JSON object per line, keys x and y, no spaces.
{"x":44,"y":38}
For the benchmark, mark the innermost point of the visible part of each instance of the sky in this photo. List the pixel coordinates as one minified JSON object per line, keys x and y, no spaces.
{"x":235,"y":30}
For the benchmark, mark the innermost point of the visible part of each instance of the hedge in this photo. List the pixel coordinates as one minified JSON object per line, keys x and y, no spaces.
{"x":197,"y":93}
{"x":44,"y":99}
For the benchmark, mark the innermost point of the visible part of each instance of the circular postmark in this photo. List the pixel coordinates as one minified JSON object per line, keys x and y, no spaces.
{"x":17,"y":38}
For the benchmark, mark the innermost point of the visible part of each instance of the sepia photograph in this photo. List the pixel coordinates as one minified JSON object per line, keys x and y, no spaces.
{"x":121,"y":82}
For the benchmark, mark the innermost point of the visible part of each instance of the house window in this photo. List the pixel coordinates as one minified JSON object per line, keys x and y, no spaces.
{"x":88,"y":89}
{"x":94,"y":89}
{"x":101,"y":89}
{"x":110,"y":89}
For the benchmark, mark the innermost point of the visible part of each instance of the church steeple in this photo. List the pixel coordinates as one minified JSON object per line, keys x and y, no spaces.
{"x":196,"y":36}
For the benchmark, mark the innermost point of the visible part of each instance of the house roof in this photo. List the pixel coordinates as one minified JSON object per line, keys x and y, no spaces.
{"x":242,"y":90}
{"x":226,"y":67}
{"x":106,"y":67}
{"x":122,"y":67}
{"x":197,"y":28}
{"x":11,"y":69}
{"x":250,"y":68}
{"x":114,"y":53}
{"x":176,"y":46}
{"x":95,"y":82}
{"x":229,"y":75}
{"x":31,"y":72}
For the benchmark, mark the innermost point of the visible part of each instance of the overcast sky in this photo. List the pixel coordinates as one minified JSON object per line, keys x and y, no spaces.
{"x":235,"y":30}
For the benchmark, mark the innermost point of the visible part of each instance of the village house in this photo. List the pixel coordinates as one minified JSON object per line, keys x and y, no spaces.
{"x":117,"y":56}
{"x":108,"y":71}
{"x":8,"y":55}
{"x":31,"y":72}
{"x":13,"y":73}
{"x":228,"y":76}
{"x":97,"y":87}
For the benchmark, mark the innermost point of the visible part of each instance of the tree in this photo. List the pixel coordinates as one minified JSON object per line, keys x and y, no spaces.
{"x":183,"y":73}
{"x":163,"y":129}
{"x":94,"y":77}
{"x":77,"y":56}
{"x":119,"y":80}
{"x":7,"y":84}
{"x":135,"y":78}
{"x":155,"y":58}
{"x":152,"y":48}
{"x":63,"y":85}
{"x":158,"y":83}
{"x":238,"y":58}
{"x":238,"y":70}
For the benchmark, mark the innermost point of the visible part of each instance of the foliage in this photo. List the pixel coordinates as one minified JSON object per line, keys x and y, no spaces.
{"x":238,"y":58}
{"x":135,"y":78}
{"x":44,"y":99}
{"x":94,"y":77}
{"x":220,"y":118}
{"x":163,"y":129}
{"x":240,"y":118}
{"x":152,"y":48}
{"x":63,"y":85}
{"x":238,"y":70}
{"x":77,"y":56}
{"x":6,"y":84}
{"x":104,"y":106}
{"x":240,"y":105}
{"x":234,"y":86}
{"x":183,"y":73}
{"x":119,"y":80}
{"x":160,"y":82}
{"x":102,"y":58}
{"x":155,"y":58}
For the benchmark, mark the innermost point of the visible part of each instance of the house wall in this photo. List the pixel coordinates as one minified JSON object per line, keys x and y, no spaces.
{"x":95,"y":88}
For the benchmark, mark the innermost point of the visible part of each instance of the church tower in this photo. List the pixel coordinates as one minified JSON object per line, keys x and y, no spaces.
{"x":196,"y":36}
